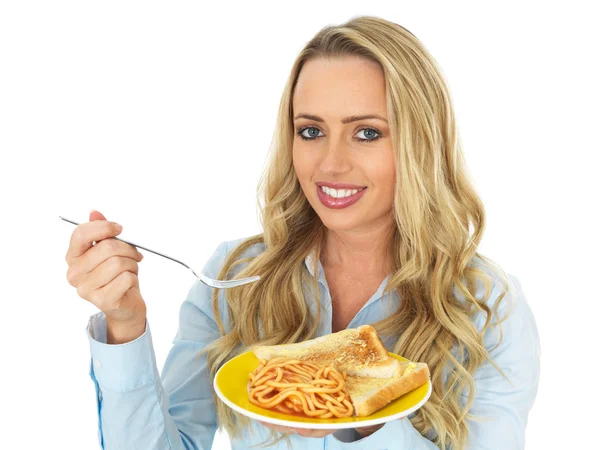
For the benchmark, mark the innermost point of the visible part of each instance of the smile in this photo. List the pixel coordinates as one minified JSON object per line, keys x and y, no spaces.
{"x":340,"y":193}
{"x":339,"y":198}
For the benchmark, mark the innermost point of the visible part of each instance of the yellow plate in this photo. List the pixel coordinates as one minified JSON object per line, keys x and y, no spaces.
{"x":231,"y":384}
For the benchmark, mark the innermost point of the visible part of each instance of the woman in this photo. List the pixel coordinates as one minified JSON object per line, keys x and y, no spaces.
{"x":368,"y":217}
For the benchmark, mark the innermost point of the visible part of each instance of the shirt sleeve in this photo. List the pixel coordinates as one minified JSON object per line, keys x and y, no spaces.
{"x":503,"y":406}
{"x":137,"y":409}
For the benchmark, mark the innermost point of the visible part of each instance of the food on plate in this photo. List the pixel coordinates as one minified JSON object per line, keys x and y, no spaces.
{"x":298,"y":387}
{"x":370,"y":394}
{"x":343,"y":374}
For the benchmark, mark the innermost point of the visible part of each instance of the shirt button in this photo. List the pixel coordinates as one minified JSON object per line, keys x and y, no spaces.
{"x":97,"y":364}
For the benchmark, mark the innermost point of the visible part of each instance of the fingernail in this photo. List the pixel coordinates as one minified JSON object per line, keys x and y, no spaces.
{"x":118,"y":227}
{"x":141,"y":256}
{"x":92,"y":210}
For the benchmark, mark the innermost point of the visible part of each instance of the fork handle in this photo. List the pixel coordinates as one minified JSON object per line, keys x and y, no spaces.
{"x":136,"y":245}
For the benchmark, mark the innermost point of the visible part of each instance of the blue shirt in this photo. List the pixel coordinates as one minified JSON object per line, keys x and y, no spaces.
{"x":140,"y":409}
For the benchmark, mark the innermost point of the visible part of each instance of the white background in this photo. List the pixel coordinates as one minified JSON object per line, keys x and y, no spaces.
{"x":160,"y":116}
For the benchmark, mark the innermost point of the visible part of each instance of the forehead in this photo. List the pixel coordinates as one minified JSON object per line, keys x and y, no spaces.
{"x":339,"y":87}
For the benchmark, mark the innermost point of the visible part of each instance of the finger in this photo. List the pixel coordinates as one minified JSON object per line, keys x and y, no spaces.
{"x":106,"y":272}
{"x":108,"y":297}
{"x":82,"y":267}
{"x":96,"y":215}
{"x":280,"y":428}
{"x":306,"y":432}
{"x":274,"y":427}
{"x":362,"y":431}
{"x":85,"y":234}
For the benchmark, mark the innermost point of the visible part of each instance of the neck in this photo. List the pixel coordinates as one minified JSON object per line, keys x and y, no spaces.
{"x":365,"y":251}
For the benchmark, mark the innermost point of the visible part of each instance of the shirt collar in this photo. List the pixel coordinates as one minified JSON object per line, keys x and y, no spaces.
{"x":309,"y":262}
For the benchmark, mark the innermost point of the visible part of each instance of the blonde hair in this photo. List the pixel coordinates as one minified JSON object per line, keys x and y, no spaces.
{"x":433,"y":248}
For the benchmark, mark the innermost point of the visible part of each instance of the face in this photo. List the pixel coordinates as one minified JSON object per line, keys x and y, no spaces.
{"x":345,"y":165}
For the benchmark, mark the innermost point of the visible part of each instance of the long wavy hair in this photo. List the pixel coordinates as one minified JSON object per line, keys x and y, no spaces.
{"x":439,"y":224}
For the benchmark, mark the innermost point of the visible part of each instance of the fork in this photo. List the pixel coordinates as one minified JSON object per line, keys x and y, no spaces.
{"x":219,"y":284}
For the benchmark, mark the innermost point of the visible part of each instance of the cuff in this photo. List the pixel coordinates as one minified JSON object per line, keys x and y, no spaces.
{"x":120,"y":367}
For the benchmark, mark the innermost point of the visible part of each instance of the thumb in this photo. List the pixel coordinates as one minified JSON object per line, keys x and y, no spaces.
{"x":96,"y":215}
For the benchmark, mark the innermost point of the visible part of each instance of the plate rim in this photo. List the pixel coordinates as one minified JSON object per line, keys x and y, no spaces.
{"x":317,"y":425}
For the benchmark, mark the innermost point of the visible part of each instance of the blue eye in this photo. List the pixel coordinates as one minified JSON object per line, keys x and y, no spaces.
{"x":371,"y":131}
{"x":312,"y":136}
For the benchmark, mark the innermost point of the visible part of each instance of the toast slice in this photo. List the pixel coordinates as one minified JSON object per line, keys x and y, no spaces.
{"x":369,"y":394}
{"x":356,"y":351}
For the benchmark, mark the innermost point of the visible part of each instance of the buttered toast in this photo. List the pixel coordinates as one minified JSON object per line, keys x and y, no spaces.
{"x":356,"y":351}
{"x":369,"y":394}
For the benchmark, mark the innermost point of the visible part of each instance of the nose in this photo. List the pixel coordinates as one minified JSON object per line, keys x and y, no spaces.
{"x":336,"y":158}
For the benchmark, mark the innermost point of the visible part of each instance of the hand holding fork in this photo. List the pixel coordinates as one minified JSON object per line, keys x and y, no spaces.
{"x":105,"y":274}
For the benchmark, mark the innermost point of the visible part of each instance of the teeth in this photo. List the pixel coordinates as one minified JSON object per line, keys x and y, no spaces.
{"x":339,"y":193}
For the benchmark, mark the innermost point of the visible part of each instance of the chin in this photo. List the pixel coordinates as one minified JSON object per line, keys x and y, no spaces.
{"x":341,"y":223}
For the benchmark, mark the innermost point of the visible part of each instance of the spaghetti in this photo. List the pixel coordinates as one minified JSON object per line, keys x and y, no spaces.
{"x":299,"y":387}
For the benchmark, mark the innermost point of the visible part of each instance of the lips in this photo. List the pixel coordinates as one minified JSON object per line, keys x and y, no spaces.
{"x":339,"y":203}
{"x":339,"y":185}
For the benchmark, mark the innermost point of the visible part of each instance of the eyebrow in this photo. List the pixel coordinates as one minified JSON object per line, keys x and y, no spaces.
{"x":344,"y":120}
